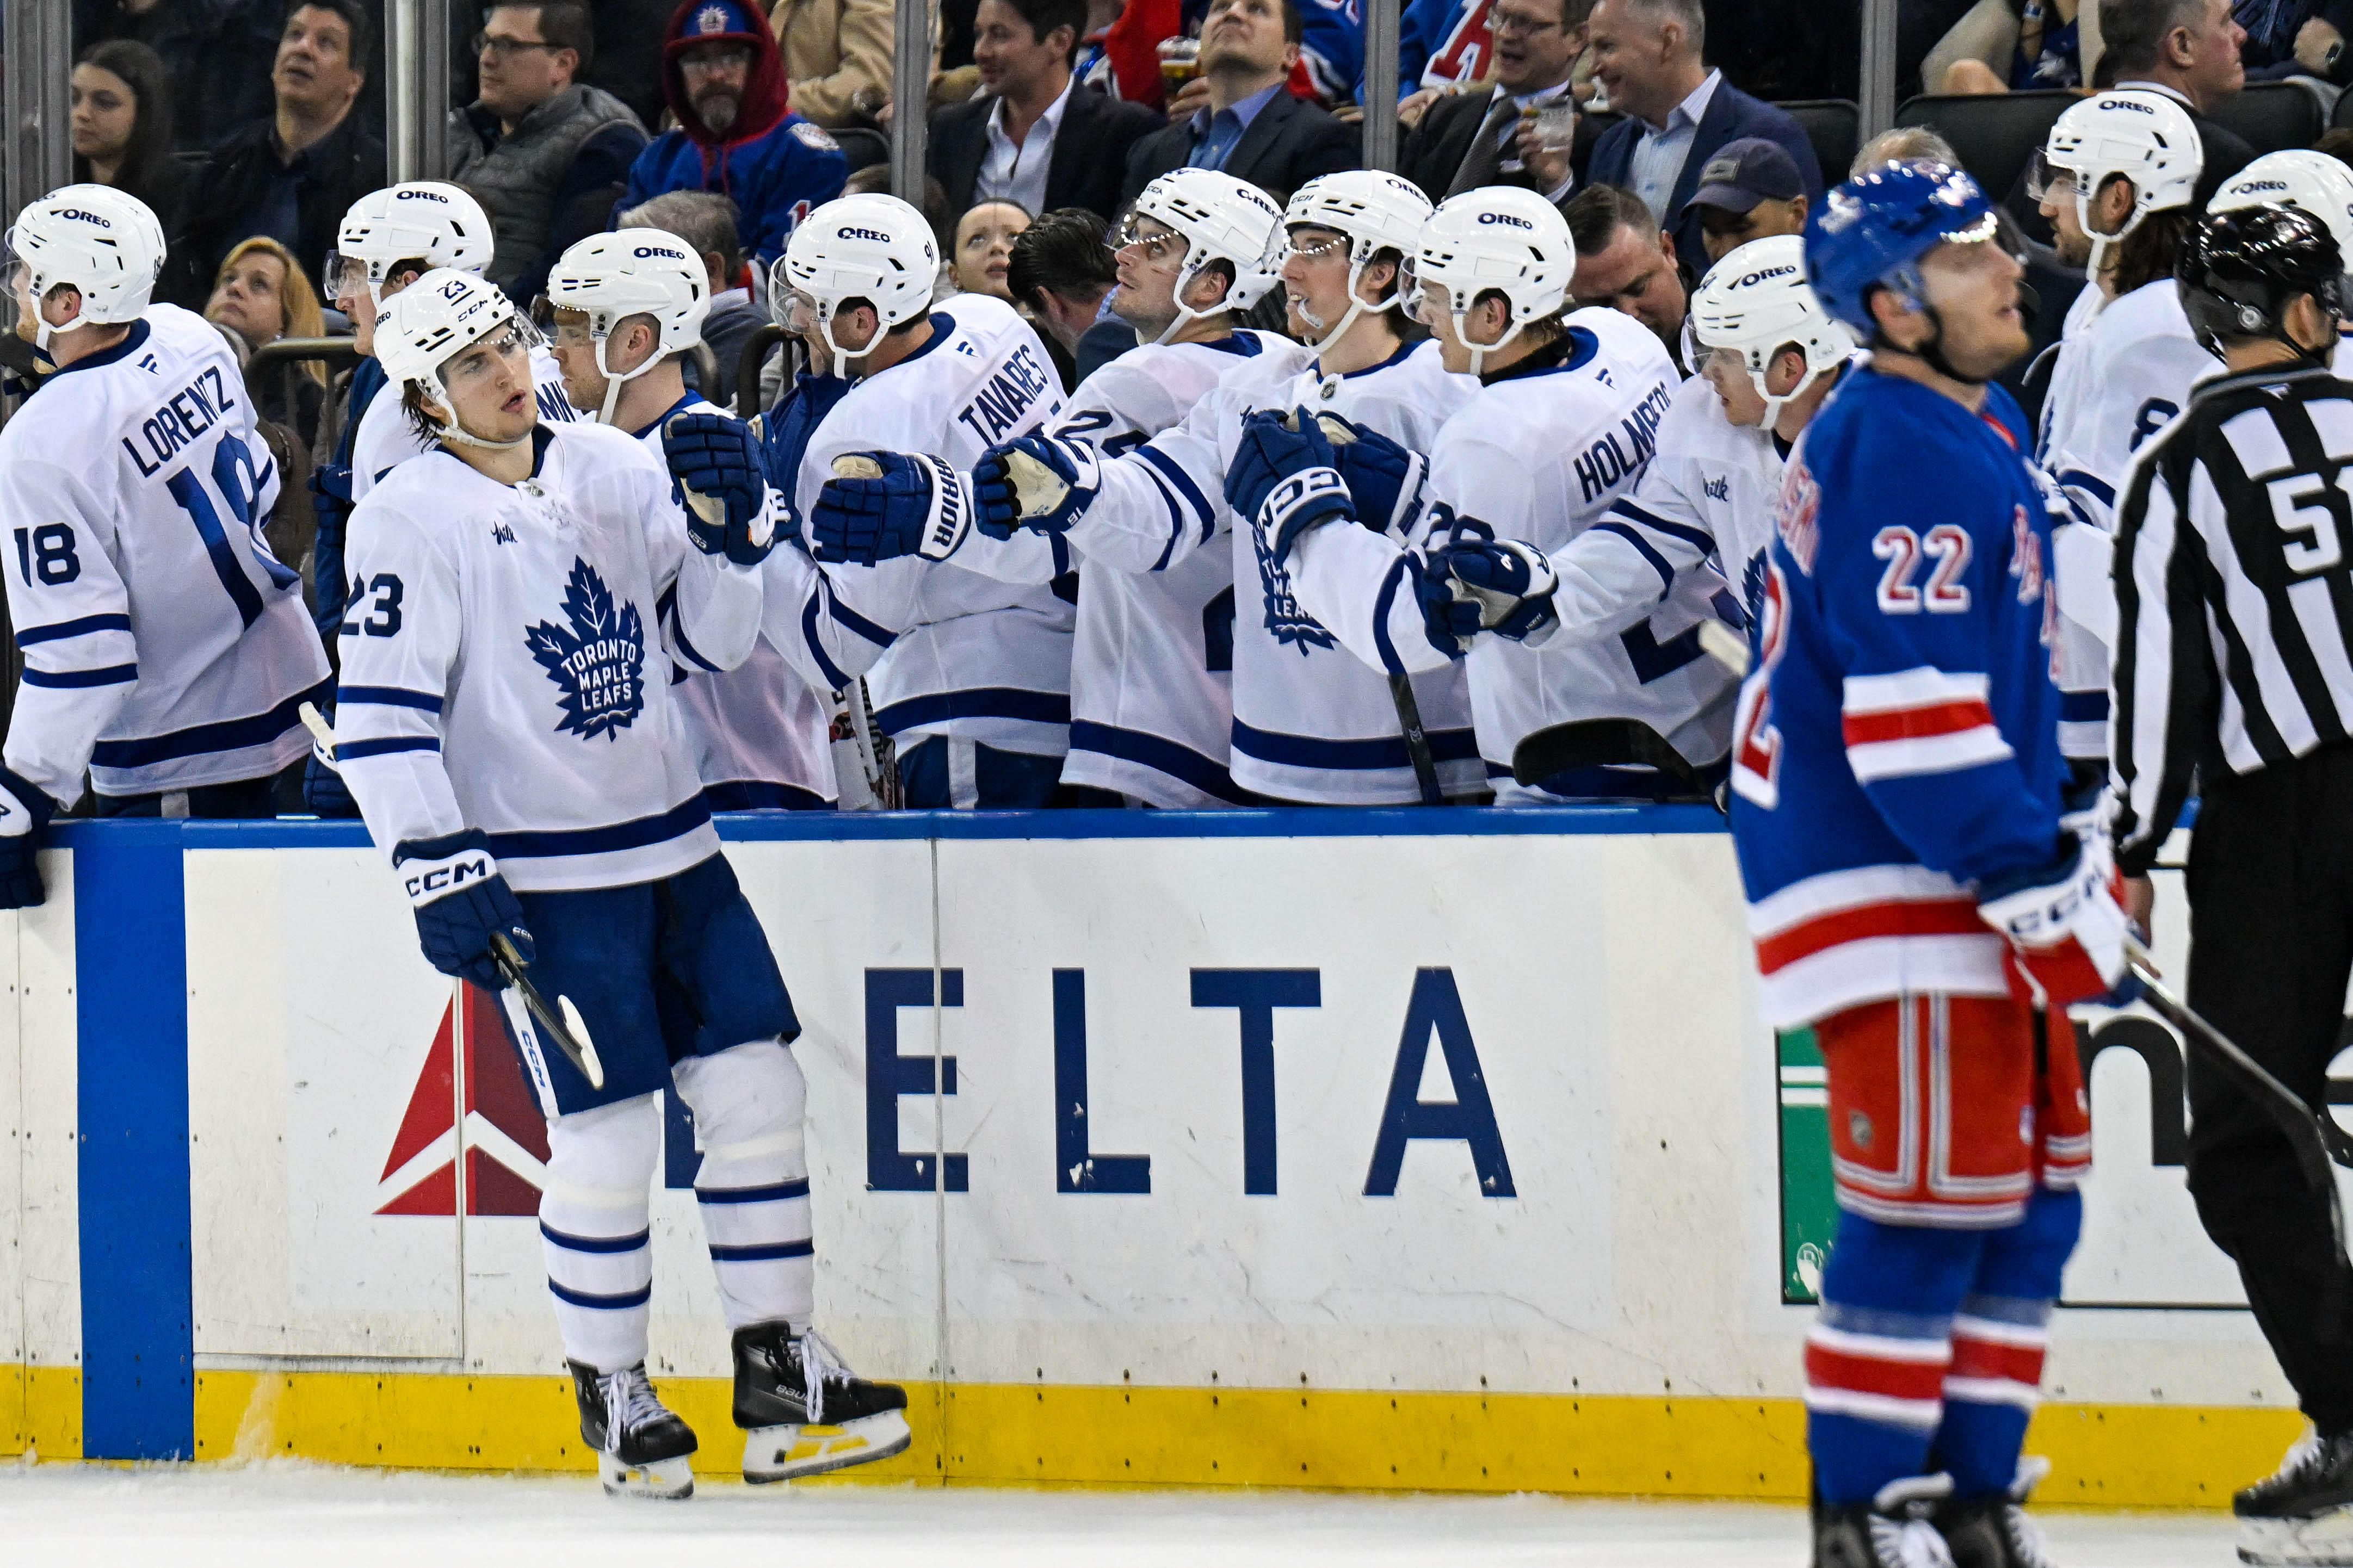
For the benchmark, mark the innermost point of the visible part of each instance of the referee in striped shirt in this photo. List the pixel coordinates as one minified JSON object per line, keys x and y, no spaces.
{"x":2233,"y":668}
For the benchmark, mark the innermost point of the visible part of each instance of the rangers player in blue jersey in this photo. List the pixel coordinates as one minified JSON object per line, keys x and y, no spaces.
{"x":1917,"y":895}
{"x":506,"y":724}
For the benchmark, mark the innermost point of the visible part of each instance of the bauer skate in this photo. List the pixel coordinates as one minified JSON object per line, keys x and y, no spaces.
{"x":804,"y":1413}
{"x":2305,"y":1513}
{"x":1995,"y":1532}
{"x":642,"y":1449}
{"x":1891,"y":1531}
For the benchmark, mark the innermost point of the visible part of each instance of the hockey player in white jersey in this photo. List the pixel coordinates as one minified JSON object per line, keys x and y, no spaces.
{"x":970,"y":674}
{"x":1313,"y":724}
{"x":1563,"y":425}
{"x":1771,"y":356}
{"x":2300,"y":177}
{"x":624,"y":309}
{"x":165,"y":650}
{"x":524,"y":771}
{"x":1151,"y":695}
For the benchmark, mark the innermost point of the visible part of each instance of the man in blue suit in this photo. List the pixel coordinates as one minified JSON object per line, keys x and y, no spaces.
{"x":1651,"y":56}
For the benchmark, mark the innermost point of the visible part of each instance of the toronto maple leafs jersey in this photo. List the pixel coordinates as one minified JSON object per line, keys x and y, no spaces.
{"x":761,"y":736}
{"x":948,"y":651}
{"x":1153,"y":656}
{"x":1312,"y":722}
{"x":1897,"y":736}
{"x":2064,"y":398}
{"x":1538,"y":454}
{"x":164,"y":647}
{"x":506,"y":660}
{"x":386,"y":437}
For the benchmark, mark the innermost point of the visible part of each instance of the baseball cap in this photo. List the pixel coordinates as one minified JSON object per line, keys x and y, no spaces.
{"x":1747,"y":172}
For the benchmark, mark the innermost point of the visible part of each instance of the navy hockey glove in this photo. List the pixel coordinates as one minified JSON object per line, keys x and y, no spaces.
{"x":1474,"y":586}
{"x":1045,"y":482}
{"x":716,"y":475}
{"x":1283,"y":478}
{"x":2066,"y":926}
{"x":1384,"y":478}
{"x":461,"y":898}
{"x":25,"y":813}
{"x":880,"y":506}
{"x":330,"y":502}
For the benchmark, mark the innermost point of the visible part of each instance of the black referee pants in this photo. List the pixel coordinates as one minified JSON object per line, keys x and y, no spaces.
{"x":2271,"y":927}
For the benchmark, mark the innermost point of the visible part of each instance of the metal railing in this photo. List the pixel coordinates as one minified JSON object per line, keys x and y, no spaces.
{"x":287,"y":356}
{"x":751,"y":363}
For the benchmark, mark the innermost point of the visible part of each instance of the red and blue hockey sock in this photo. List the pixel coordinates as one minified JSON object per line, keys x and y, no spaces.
{"x":1879,"y":1352}
{"x":2000,"y":1335}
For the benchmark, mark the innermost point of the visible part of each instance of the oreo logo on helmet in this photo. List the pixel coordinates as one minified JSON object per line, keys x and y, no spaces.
{"x":644,"y":251}
{"x":420,"y":196}
{"x":2127,"y":104}
{"x":80,"y":216}
{"x":2248,"y":187}
{"x":1505,"y":218}
{"x":876,"y":236}
{"x":1764,"y":277}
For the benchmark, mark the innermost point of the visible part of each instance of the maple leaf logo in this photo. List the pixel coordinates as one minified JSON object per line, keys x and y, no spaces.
{"x":597,"y":662}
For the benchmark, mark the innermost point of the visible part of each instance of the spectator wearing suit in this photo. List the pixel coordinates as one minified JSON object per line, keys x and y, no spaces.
{"x":1035,"y":136}
{"x":2188,"y":50}
{"x":736,"y":134}
{"x":1472,"y":139}
{"x":1651,"y":56}
{"x":1749,"y":190}
{"x":1253,"y":129}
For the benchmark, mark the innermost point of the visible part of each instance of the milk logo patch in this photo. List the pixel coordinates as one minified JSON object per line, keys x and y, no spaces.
{"x":597,"y":662}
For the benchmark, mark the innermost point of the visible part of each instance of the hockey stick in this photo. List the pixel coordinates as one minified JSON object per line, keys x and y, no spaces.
{"x":1598,"y":742}
{"x":1417,"y":740}
{"x":568,"y":1029}
{"x":1725,"y":645}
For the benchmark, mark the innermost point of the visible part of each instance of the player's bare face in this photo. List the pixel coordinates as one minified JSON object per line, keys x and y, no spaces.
{"x":573,"y":344}
{"x":854,"y":327}
{"x":1482,"y":326}
{"x":1974,"y":289}
{"x":1315,"y":279}
{"x":1728,"y":371}
{"x":2057,"y":207}
{"x":1146,"y":254}
{"x":489,"y":389}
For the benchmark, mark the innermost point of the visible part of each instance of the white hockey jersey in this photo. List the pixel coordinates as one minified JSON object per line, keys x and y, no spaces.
{"x":1311,"y":723}
{"x":497,"y":673}
{"x":1540,"y":457}
{"x":164,"y":647}
{"x":386,"y":437}
{"x":1151,"y":666}
{"x":948,"y":651}
{"x":761,"y":736}
{"x":2067,"y":393}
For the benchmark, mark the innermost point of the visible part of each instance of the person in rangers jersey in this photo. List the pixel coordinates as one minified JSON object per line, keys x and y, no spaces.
{"x":526,"y":773}
{"x":1151,"y":699}
{"x":165,"y":650}
{"x":624,"y":309}
{"x":1313,"y":724}
{"x":970,"y":674}
{"x":1919,"y":897}
{"x":1567,"y":410}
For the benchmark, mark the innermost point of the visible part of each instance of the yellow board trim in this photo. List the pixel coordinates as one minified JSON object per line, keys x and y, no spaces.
{"x":40,"y":1411}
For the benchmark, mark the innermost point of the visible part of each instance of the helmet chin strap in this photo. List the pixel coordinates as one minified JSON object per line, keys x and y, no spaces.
{"x":614,"y":380}
{"x":1357,"y":307}
{"x":2101,"y":243}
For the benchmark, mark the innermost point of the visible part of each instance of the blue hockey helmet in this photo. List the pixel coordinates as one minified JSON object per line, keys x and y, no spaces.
{"x":1873,"y":230}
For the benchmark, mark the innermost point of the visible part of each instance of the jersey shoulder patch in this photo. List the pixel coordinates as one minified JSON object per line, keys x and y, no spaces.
{"x":810,"y":134}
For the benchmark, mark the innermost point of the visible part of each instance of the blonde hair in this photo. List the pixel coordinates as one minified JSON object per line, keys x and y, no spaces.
{"x":297,"y":302}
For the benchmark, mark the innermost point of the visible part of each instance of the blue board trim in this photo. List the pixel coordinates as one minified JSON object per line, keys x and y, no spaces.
{"x":138,"y":1383}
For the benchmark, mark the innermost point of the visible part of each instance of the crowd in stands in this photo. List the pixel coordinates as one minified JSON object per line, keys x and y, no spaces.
{"x":250,"y":127}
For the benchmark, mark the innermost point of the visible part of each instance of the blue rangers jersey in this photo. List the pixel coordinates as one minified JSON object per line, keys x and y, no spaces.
{"x":506,"y":661}
{"x":164,"y":647}
{"x":760,"y":734}
{"x":1898,"y":737}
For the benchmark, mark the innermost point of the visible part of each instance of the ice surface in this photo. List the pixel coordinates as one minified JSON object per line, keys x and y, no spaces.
{"x":319,"y":1516}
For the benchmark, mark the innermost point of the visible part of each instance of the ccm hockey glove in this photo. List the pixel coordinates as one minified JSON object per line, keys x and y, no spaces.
{"x":2066,"y":926}
{"x":880,"y":506}
{"x":1474,"y":586}
{"x":1045,"y":482}
{"x":1284,"y":478}
{"x":716,"y":475}
{"x":25,"y":813}
{"x":460,"y":900}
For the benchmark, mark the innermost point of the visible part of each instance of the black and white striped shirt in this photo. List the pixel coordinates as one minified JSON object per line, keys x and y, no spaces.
{"x":2234,"y":593}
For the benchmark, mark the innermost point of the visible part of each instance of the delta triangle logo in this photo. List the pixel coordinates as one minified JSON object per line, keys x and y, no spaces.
{"x":505,"y":1136}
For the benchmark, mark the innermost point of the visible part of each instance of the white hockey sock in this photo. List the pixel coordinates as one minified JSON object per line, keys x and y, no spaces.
{"x":753,"y":1185}
{"x":593,"y":1220}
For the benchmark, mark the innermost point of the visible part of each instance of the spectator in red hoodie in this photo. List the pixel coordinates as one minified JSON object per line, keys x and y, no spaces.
{"x":737,"y":134}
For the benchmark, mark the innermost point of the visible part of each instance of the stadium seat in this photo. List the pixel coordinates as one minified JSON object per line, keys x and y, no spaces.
{"x":863,"y":147}
{"x":2274,"y":115}
{"x":1996,"y":134}
{"x":1834,"y":126}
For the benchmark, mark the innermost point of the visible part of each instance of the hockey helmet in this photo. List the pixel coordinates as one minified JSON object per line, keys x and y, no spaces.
{"x":1497,"y":239}
{"x":1375,"y":211}
{"x":2238,"y":271}
{"x":2143,"y":137}
{"x":1221,"y":219}
{"x":107,"y":244}
{"x":425,"y":326}
{"x":1872,"y":232}
{"x":2298,"y":177}
{"x":874,"y":248}
{"x":419,"y":220}
{"x":1756,"y":301}
{"x":633,"y":272}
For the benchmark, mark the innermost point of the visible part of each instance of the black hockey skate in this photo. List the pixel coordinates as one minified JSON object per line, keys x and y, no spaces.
{"x":804,"y":1413}
{"x":1891,"y":1531}
{"x":2305,"y":1513}
{"x":642,"y":1449}
{"x":1995,"y":1532}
